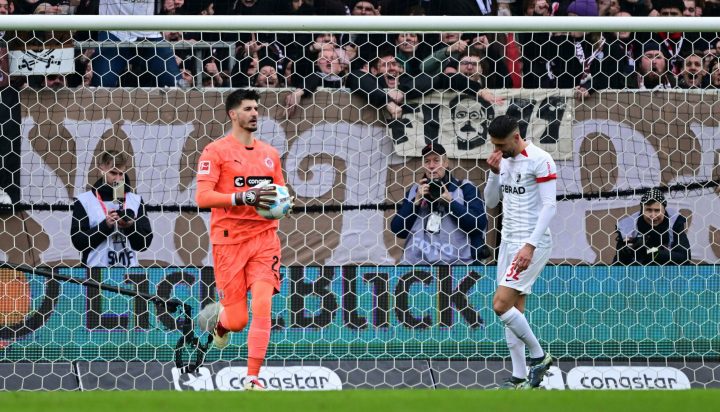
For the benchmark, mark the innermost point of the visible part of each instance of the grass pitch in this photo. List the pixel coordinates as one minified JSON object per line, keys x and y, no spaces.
{"x":363,"y":401}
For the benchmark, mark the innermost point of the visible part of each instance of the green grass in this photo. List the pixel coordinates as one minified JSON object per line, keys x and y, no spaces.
{"x":363,"y":400}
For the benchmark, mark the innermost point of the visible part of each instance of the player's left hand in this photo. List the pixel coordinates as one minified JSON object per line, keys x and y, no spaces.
{"x":524,"y":257}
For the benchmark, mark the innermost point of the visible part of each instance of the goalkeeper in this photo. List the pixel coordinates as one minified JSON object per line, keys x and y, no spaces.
{"x":246,"y":247}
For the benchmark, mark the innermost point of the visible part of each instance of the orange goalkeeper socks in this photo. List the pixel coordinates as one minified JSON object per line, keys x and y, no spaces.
{"x":259,"y":334}
{"x":258,"y":339}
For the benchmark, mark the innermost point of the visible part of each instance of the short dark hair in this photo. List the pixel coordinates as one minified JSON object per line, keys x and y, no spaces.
{"x":502,"y":126}
{"x":235,"y":98}
{"x":436,"y":148}
{"x":669,"y":4}
{"x":384,"y":51}
{"x":113,"y":158}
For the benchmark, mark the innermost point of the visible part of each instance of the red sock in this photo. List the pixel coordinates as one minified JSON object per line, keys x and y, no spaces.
{"x":220,"y":329}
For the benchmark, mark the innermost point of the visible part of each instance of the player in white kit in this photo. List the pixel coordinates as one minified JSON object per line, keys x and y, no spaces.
{"x":524,"y":177}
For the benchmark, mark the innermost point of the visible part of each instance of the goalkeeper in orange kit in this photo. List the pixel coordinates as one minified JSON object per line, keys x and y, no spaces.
{"x":246,"y":248}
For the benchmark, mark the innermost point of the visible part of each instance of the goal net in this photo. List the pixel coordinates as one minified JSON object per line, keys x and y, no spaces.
{"x":349,"y":112}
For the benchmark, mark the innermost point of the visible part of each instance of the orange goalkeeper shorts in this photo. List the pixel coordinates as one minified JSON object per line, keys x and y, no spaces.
{"x":238,"y":266}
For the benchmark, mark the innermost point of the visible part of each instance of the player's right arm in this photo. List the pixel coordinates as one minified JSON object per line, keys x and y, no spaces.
{"x":492,"y":185}
{"x":208,"y":175}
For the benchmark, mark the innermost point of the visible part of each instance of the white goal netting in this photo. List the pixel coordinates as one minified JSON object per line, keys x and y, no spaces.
{"x":349,"y":114}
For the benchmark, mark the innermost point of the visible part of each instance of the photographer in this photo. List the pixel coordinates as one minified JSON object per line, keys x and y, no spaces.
{"x":655,"y":235}
{"x":442,"y":218}
{"x":109,"y":225}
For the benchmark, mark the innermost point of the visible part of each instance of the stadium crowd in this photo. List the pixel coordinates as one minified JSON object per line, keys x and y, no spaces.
{"x":413,"y":62}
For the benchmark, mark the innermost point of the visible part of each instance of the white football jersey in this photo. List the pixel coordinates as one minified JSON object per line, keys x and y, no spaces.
{"x":519,"y":180}
{"x":129,"y":8}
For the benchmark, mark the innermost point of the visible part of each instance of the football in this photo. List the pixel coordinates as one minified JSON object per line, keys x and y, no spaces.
{"x":282,"y":205}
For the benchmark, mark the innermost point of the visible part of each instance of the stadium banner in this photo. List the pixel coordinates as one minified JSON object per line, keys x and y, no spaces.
{"x":49,"y":61}
{"x":376,"y":312}
{"x":340,"y":150}
{"x":627,"y":378}
{"x":393,"y":374}
{"x":276,"y":375}
{"x":459,"y":122}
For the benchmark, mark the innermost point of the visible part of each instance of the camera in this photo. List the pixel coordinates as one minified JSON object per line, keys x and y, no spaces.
{"x":126,"y":214}
{"x":434,"y":189}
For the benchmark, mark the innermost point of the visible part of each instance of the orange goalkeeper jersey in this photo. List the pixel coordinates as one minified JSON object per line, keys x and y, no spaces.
{"x":234,"y":167}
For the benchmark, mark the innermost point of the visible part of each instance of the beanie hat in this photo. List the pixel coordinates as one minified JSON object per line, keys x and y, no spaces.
{"x":653,"y":195}
{"x":583,"y":8}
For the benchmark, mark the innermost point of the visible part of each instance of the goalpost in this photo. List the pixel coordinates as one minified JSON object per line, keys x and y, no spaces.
{"x":349,"y":314}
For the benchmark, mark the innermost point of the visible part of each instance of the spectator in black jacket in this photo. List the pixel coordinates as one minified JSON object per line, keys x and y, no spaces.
{"x":441,"y":217}
{"x":385,"y":84}
{"x":656,"y":235}
{"x":109,"y":225}
{"x":329,"y":72}
{"x":534,"y":61}
{"x":653,"y":69}
{"x":584,"y":61}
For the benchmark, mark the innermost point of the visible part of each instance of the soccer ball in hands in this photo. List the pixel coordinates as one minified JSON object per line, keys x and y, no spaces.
{"x":282,"y":205}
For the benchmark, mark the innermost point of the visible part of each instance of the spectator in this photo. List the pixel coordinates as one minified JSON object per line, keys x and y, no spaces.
{"x":628,"y":42}
{"x":471,"y":67}
{"x":656,"y":235}
{"x":714,"y":70}
{"x":268,"y":76}
{"x":212,"y":76}
{"x":626,"y":49}
{"x":451,"y":46}
{"x":186,"y":70}
{"x":711,"y":8}
{"x":83,"y":70}
{"x":442,"y":219}
{"x":109,"y":225}
{"x":112,"y":61}
{"x":54,"y":81}
{"x":653,"y":69}
{"x":172,"y":7}
{"x":677,"y":44}
{"x":364,"y":45}
{"x":608,"y":7}
{"x":534,"y":61}
{"x":385,"y":73}
{"x":329,"y":73}
{"x":693,"y":75}
{"x":692,"y":9}
{"x":407,"y":44}
{"x":45,"y":7}
{"x":305,"y":61}
{"x":583,"y":61}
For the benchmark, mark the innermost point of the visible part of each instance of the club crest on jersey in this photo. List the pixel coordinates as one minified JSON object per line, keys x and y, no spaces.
{"x":204,"y":167}
{"x":269,"y":163}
